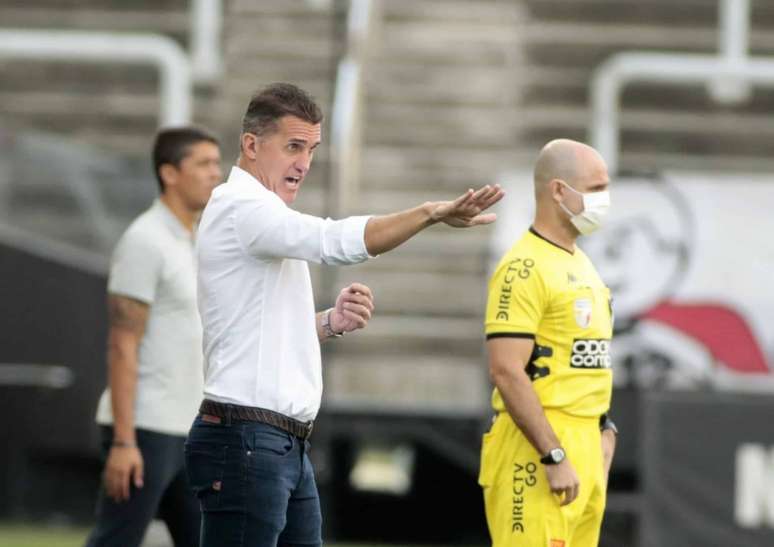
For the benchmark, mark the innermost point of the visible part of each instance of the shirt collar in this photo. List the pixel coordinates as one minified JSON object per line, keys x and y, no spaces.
{"x":170,"y":220}
{"x":245,"y":181}
{"x":239,"y":175}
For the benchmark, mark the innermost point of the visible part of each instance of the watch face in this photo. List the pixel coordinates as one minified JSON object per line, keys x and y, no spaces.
{"x":557,"y":454}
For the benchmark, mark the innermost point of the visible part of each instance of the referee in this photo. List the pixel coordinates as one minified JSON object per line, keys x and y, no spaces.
{"x":549,"y":320}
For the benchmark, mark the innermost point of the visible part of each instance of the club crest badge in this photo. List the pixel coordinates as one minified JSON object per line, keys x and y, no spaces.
{"x":583,"y":309}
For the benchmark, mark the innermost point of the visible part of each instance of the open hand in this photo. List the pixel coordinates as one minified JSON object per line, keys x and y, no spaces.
{"x":465,"y":211}
{"x":124,"y":465}
{"x":354,"y":307}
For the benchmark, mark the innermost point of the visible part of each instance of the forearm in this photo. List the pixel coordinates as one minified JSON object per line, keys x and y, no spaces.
{"x":525,"y":409}
{"x":123,"y":385}
{"x":384,"y":233}
{"x":608,"y":448}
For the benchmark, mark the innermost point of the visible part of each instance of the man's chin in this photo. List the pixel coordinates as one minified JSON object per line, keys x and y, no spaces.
{"x":289,"y":198}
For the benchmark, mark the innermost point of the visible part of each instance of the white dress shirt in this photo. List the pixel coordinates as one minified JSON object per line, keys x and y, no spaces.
{"x":154,"y":262}
{"x":255,"y":295}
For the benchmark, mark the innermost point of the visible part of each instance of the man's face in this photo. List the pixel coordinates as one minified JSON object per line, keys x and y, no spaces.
{"x":283,"y":158}
{"x":198,"y":174}
{"x":594,"y":179}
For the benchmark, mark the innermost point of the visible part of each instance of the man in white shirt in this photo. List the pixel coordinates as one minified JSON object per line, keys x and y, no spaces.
{"x":246,"y":453}
{"x":154,"y":352}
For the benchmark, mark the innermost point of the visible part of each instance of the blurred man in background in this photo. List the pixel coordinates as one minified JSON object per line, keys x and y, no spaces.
{"x":549,"y":321}
{"x":154,"y":351}
{"x":247,"y":452}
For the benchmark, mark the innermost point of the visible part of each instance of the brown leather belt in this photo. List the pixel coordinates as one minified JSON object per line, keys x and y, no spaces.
{"x":213,"y":409}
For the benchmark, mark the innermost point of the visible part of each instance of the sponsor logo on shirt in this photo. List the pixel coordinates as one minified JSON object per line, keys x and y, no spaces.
{"x":517,"y":269}
{"x":590,"y":353}
{"x":557,"y":543}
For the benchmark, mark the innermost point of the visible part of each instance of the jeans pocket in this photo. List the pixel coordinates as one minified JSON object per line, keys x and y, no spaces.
{"x":205,"y":466}
{"x":272,"y":441}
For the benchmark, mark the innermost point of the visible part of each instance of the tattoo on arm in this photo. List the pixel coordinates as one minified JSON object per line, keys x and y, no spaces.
{"x":127,"y":314}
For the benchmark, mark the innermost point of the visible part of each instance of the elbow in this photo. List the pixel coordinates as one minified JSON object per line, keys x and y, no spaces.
{"x":500,"y":372}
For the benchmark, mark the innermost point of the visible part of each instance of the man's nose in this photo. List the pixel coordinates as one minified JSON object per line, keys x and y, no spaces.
{"x":303,"y":163}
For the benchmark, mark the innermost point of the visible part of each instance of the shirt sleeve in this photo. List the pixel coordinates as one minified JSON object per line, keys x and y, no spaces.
{"x":517,"y":300}
{"x":268,"y":228}
{"x":135,"y":268}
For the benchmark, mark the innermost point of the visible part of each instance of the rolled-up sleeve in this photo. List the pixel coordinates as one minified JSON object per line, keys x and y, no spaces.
{"x":343,"y":241}
{"x":268,"y":228}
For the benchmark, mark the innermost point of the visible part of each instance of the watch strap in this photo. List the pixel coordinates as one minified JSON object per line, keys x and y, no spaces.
{"x":326,"y":325}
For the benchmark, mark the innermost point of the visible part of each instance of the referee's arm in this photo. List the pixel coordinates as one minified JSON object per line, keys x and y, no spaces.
{"x":508,"y":358}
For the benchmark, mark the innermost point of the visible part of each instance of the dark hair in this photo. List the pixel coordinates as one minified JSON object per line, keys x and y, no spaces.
{"x":275,"y":101}
{"x":173,"y":144}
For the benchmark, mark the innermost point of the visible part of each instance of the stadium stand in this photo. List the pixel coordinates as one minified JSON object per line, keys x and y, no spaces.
{"x":457,"y":93}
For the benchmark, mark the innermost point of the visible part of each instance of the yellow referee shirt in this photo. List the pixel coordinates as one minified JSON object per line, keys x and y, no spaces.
{"x":544,"y":292}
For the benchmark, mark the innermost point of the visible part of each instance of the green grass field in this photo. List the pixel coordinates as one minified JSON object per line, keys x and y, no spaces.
{"x":17,"y":535}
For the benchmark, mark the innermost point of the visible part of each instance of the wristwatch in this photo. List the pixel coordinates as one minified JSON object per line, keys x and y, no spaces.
{"x":554,"y":456}
{"x":326,"y":325}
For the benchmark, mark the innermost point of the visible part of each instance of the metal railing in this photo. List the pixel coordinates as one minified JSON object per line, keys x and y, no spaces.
{"x":727,"y":75}
{"x":346,"y":120}
{"x":159,"y":51}
{"x":175,"y":67}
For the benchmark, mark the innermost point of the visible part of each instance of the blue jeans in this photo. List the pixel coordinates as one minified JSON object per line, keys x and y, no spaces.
{"x":255,"y":484}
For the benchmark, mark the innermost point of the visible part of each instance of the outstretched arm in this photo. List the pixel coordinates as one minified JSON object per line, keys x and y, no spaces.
{"x":384,"y":233}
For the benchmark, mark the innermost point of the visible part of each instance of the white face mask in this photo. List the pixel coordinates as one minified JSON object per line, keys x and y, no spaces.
{"x":595,"y":207}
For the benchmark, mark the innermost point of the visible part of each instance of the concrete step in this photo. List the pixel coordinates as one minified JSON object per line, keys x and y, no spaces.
{"x":34,"y":104}
{"x":438,"y":249}
{"x":418,"y":383}
{"x":473,"y":126}
{"x":421,"y":293}
{"x":173,"y":21}
{"x":149,"y":5}
{"x":714,"y":122}
{"x":581,"y":44}
{"x":541,"y":92}
{"x":388,"y":334}
{"x":448,"y":44}
{"x":440,"y":165}
{"x":445,"y":183}
{"x":412,"y":84}
{"x":76,"y":77}
{"x":267,"y":8}
{"x":453,"y":11}
{"x":657,"y":12}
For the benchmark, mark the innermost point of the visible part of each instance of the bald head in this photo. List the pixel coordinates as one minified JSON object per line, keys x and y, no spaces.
{"x":570,"y":161}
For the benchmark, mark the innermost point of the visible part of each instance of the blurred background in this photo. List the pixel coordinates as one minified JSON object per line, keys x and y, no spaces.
{"x":423,"y":99}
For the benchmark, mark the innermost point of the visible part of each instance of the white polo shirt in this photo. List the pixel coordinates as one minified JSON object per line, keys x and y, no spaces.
{"x":154,"y":262}
{"x":255,"y":295}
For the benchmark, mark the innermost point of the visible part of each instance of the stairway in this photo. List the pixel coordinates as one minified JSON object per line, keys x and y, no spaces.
{"x":440,"y":102}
